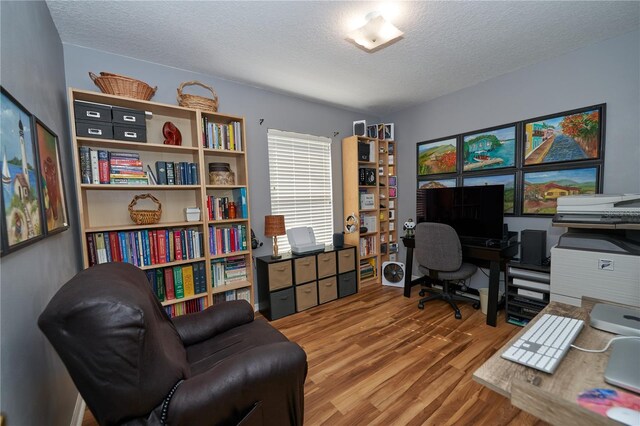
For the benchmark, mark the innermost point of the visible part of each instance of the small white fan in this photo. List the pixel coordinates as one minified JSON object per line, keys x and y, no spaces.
{"x":393,"y":274}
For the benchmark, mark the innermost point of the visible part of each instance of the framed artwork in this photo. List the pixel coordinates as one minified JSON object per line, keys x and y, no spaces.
{"x":489,"y":149}
{"x":509,"y":182}
{"x":436,"y":183}
{"x":392,"y":192}
{"x":51,"y":183}
{"x":21,"y":202}
{"x":393,"y":180}
{"x":542,"y":188}
{"x":436,"y":157}
{"x":381,"y":131}
{"x":569,"y":136}
{"x":389,"y":131}
{"x":372,"y":131}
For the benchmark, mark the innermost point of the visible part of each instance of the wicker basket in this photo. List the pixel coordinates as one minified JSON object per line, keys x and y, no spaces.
{"x":195,"y":101}
{"x":120,"y":85}
{"x":145,"y":217}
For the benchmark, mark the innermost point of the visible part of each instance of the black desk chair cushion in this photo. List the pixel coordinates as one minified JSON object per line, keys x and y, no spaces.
{"x":439,"y":255}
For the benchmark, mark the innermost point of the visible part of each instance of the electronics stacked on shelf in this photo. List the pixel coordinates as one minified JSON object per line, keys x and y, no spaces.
{"x":528,"y":289}
{"x":177,"y":252}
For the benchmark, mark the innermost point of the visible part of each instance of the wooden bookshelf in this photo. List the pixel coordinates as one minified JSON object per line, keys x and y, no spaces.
{"x":104,"y":207}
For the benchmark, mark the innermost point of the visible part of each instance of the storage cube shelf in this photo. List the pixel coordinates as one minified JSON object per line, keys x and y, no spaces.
{"x":104,"y":206}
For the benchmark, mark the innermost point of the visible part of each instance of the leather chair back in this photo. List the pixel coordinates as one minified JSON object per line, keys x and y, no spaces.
{"x":117,"y":342}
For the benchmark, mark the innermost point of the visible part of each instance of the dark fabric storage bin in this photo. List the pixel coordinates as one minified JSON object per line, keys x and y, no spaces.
{"x":94,"y":129}
{"x":282,"y":303}
{"x":347,"y":284}
{"x":89,"y":111}
{"x":130,"y":117}
{"x":127,"y":132}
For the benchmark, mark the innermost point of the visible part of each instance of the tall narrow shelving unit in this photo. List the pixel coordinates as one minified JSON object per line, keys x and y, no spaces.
{"x":103,"y":207}
{"x":361,"y":198}
{"x":387,"y":195}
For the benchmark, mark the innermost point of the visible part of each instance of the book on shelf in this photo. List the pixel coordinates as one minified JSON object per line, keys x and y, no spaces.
{"x":187,"y":280}
{"x":171,"y":179}
{"x":95,"y":169}
{"x":367,"y":200}
{"x":219,"y":207}
{"x":367,"y":268}
{"x":227,"y":239}
{"x":186,"y":307}
{"x":222,"y":136}
{"x":226,"y":271}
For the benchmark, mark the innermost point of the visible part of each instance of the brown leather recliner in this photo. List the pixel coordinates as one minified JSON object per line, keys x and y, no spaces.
{"x":133,"y":365}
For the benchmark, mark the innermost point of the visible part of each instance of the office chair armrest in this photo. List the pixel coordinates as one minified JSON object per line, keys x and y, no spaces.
{"x":214,"y":320}
{"x":272,"y":375}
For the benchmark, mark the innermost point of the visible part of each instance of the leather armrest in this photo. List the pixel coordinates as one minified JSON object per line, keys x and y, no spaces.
{"x":216,"y":319}
{"x":273,"y":374}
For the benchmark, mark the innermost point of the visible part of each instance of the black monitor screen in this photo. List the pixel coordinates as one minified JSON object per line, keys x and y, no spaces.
{"x":473,"y":211}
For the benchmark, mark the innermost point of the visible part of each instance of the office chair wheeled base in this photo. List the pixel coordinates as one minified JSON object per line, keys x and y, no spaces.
{"x":449,"y":297}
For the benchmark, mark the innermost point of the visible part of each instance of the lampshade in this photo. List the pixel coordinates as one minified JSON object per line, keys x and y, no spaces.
{"x":274,"y":225}
{"x":375,"y":33}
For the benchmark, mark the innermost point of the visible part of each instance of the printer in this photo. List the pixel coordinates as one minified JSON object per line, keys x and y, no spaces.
{"x":302,"y":240}
{"x":596,"y":258}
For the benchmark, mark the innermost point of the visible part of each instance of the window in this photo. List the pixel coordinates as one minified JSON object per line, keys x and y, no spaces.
{"x":300,"y":180}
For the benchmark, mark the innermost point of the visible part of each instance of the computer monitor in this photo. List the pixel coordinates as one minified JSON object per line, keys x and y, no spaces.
{"x":473,"y":211}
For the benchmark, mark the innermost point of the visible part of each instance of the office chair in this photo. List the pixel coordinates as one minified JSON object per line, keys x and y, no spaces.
{"x":439,"y":256}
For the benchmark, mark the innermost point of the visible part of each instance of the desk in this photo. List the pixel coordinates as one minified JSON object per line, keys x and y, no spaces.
{"x":552,"y":397}
{"x":494,"y":257}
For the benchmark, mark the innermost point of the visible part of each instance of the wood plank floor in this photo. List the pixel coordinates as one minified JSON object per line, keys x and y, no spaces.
{"x":376,"y":359}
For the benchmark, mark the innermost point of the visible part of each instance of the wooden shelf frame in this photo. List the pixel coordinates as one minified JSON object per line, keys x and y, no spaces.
{"x":104,"y":207}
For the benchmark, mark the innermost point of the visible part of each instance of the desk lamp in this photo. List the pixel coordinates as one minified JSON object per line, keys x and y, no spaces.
{"x":274,"y":226}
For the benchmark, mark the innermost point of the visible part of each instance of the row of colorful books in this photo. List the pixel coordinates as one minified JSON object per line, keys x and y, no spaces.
{"x":110,"y":167}
{"x":231,"y":269}
{"x":222,"y":136}
{"x":145,"y":247}
{"x":239,"y":294}
{"x":220,"y":207}
{"x":368,"y":245}
{"x":179,"y":173}
{"x":177,"y":282}
{"x":367,"y":268}
{"x":227,"y":239}
{"x":187,"y":307}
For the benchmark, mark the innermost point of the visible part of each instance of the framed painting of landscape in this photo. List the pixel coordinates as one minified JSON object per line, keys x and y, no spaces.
{"x":51,"y":184}
{"x":489,"y":149}
{"x":569,"y":136}
{"x":436,"y":183}
{"x":509,"y":182}
{"x":21,"y":202}
{"x":542,"y":188}
{"x":437,"y":156}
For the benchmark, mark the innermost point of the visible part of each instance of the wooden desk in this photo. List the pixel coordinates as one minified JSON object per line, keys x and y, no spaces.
{"x":495,"y":258}
{"x":553,"y":397}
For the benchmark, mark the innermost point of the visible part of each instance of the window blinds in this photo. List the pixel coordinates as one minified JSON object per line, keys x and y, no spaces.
{"x":300,"y":181}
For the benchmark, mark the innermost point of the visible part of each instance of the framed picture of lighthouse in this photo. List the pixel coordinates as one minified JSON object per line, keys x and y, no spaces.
{"x":51,"y":183}
{"x":21,"y":198}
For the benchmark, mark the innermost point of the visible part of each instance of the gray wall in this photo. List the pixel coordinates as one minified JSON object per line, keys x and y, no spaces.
{"x":35,"y":387}
{"x":278,"y":111}
{"x":604,"y":72}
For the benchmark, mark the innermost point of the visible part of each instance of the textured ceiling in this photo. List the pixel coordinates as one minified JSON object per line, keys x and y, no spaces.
{"x":299,"y":47}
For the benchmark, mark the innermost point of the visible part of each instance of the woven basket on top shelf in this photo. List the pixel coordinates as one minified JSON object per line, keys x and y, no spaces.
{"x":195,"y":101}
{"x":120,"y":85}
{"x":145,"y":217}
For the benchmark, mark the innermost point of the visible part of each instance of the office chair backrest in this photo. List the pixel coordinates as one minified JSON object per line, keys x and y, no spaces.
{"x":438,"y":247}
{"x":121,"y":349}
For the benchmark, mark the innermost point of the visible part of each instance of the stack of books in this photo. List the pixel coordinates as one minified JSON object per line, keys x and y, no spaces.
{"x":367,"y":269}
{"x":222,"y":136}
{"x":125,"y":168}
{"x":226,"y":271}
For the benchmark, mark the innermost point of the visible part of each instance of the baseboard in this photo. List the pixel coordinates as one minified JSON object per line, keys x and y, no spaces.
{"x":78,"y":412}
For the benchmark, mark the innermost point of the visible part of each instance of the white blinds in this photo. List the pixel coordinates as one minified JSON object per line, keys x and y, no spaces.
{"x":300,"y":180}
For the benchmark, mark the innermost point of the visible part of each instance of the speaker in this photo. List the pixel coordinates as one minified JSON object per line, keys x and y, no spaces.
{"x":338,"y":239}
{"x":363,"y":151}
{"x":534,"y":246}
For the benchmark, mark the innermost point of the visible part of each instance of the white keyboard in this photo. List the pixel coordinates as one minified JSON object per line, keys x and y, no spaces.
{"x":546,"y":343}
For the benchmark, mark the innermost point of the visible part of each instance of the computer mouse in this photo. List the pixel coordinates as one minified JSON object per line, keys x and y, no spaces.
{"x":625,"y":416}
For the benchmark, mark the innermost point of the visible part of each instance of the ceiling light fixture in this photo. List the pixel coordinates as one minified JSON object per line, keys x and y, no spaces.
{"x":375,"y":34}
